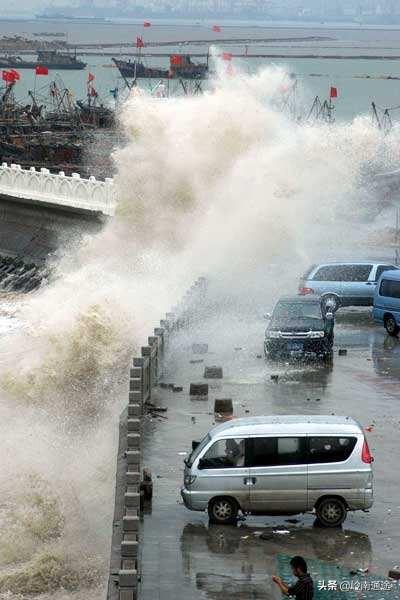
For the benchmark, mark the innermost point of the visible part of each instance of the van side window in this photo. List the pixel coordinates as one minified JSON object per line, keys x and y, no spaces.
{"x":343,"y":273}
{"x":224,"y":454}
{"x":390,"y":288}
{"x":271,"y":452}
{"x":325,"y":449}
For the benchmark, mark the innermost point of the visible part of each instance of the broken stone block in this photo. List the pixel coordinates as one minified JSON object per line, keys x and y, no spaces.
{"x":213,"y":372}
{"x":199,"y":389}
{"x":223,"y":409}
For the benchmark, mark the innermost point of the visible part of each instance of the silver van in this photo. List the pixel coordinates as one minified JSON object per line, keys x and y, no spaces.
{"x":280,"y":465}
{"x":343,"y":283}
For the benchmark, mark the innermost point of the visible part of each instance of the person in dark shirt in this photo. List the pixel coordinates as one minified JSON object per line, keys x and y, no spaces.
{"x":303,"y":589}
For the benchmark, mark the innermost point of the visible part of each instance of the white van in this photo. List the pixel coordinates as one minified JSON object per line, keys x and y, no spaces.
{"x":280,"y":465}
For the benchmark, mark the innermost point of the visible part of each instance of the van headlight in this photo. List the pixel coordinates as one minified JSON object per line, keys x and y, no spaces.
{"x":273,"y":334}
{"x":189,"y":479}
{"x":316,"y":334}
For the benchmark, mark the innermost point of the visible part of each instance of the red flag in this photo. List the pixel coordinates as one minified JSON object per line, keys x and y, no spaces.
{"x":8,"y":76}
{"x":147,"y":24}
{"x":216,"y":28}
{"x":16,"y":75}
{"x":175,"y":60}
{"x":91,"y":77}
{"x":41,"y":70}
{"x":333,"y":92}
{"x":227,"y":56}
{"x":139,"y":42}
{"x":93,"y":92}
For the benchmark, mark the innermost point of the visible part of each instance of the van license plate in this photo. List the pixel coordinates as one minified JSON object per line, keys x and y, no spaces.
{"x":295,"y":346}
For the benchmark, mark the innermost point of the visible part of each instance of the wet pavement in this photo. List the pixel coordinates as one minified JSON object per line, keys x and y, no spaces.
{"x":184,"y":557}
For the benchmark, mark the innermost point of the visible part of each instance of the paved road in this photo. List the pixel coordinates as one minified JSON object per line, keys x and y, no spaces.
{"x":185,"y":558}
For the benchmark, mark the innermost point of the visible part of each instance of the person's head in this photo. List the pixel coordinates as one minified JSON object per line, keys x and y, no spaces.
{"x":299,"y":566}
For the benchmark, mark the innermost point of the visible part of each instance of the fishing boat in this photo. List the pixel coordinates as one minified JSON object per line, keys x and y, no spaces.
{"x":181,"y":67}
{"x":51,"y":59}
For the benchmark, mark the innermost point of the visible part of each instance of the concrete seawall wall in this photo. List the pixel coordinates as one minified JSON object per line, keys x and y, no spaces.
{"x":131,"y":478}
{"x":33,"y":232}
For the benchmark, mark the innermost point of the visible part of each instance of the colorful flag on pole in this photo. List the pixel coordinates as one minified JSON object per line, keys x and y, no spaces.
{"x":17,"y":75}
{"x":227,"y":56}
{"x":41,"y":70}
{"x":8,"y":77}
{"x":216,"y":28}
{"x":139,"y":42}
{"x":147,"y":24}
{"x":333,"y":92}
{"x":91,"y":77}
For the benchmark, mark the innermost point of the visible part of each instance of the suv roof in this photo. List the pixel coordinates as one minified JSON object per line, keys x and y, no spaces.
{"x":288,"y":424}
{"x":374,"y":263}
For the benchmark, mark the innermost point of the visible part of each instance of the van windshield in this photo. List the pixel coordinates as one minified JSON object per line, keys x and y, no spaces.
{"x":195,"y":453}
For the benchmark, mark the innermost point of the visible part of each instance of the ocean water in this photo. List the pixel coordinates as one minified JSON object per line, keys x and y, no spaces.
{"x":359,"y":81}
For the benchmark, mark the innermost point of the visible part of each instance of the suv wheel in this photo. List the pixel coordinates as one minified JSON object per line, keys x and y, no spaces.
{"x":331,"y":512}
{"x":391,"y":326}
{"x":223,"y":511}
{"x":331,"y":303}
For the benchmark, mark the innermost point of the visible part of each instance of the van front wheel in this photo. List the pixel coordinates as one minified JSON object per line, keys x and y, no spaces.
{"x":391,"y":325}
{"x":331,"y":512}
{"x":223,"y":511}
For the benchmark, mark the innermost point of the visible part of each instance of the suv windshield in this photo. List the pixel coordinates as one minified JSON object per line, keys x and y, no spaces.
{"x":297,"y":311}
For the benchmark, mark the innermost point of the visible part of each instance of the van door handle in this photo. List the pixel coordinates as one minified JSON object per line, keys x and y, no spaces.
{"x":370,"y":283}
{"x":250,"y":480}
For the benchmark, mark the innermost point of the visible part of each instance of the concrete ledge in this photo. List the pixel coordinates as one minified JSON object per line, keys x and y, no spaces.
{"x":132,"y":477}
{"x":133,"y":440}
{"x":133,"y":425}
{"x":132,"y":499}
{"x":130,"y":523}
{"x":127,"y":578}
{"x":134,"y":410}
{"x":129,"y":548}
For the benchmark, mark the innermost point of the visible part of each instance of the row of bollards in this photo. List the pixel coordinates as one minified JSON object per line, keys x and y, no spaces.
{"x":18,"y":276}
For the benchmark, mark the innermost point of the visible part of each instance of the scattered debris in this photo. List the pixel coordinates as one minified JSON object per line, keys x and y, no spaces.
{"x":213,"y":372}
{"x":259,"y":356}
{"x":196,"y":361}
{"x":223,"y":408}
{"x":146,"y":486}
{"x":282,"y":531}
{"x":342,"y":351}
{"x":182,"y":453}
{"x":177,"y":388}
{"x":369,"y":428}
{"x":247,"y":410}
{"x":199,"y":389}
{"x":317,"y":399}
{"x":394,"y":574}
{"x":274,"y":377}
{"x":238,"y":348}
{"x":153,"y":408}
{"x":163,"y":385}
{"x":199,"y":348}
{"x":193,"y":420}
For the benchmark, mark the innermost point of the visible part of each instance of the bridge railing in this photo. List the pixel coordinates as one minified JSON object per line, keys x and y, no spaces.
{"x":125,"y":567}
{"x":75,"y":192}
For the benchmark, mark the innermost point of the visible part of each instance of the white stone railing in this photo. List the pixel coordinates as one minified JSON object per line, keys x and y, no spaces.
{"x":58,"y":190}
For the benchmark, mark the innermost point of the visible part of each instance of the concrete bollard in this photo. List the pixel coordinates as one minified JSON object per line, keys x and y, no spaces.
{"x":134,"y":410}
{"x":223,"y":409}
{"x":133,"y":425}
{"x":213,"y":372}
{"x":133,"y":457}
{"x":132,"y":499}
{"x":130,"y":523}
{"x":199,"y":348}
{"x":199,"y":389}
{"x":127,"y":594}
{"x":127,"y":578}
{"x":129,"y":548}
{"x":133,"y":440}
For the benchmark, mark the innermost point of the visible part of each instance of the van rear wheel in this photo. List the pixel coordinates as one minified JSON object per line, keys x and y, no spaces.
{"x":391,"y":326}
{"x":223,"y":511}
{"x":331,"y":512}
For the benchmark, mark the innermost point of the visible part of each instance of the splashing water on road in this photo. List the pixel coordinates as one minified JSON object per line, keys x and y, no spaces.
{"x":223,"y":183}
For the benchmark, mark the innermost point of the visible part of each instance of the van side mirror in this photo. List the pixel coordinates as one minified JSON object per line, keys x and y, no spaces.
{"x":202,"y":464}
{"x":195,"y":444}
